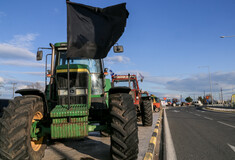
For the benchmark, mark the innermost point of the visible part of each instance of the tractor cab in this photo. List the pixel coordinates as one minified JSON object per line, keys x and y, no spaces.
{"x":96,"y":71}
{"x":128,"y":81}
{"x":99,"y":86}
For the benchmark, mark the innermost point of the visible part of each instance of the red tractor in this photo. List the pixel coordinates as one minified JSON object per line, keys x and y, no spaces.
{"x":142,"y":103}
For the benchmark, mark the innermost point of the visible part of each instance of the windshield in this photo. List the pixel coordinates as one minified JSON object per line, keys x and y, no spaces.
{"x":125,"y":84}
{"x":94,"y":64}
{"x":95,"y":67}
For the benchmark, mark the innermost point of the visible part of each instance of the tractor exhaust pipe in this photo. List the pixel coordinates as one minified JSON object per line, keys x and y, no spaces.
{"x":52,"y":61}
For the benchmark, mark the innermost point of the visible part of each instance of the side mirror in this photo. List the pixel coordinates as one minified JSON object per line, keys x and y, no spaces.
{"x":39,"y":55}
{"x":118,"y":49}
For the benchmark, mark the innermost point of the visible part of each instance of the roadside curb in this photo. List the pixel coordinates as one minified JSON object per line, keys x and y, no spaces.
{"x":219,"y":109}
{"x":154,"y":139}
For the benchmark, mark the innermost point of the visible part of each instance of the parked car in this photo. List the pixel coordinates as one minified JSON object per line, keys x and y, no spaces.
{"x":197,"y":103}
{"x":163,"y":103}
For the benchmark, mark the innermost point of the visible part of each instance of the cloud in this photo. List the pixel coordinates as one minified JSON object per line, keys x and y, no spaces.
{"x":22,"y":86}
{"x":200,"y":82}
{"x":35,"y":73}
{"x":193,"y":85}
{"x":22,"y":63}
{"x":13,"y":52}
{"x":168,"y":95}
{"x":1,"y":80}
{"x":159,"y":79}
{"x":18,"y":48}
{"x":117,"y":59}
{"x":29,"y":73}
{"x":23,"y":41}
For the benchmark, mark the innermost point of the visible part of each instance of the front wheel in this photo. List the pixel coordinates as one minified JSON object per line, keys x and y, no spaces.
{"x":15,"y":126}
{"x":146,"y":112}
{"x":124,"y":130}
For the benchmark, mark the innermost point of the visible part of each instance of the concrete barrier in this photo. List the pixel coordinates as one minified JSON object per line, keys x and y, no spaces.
{"x":154,"y":139}
{"x":220,"y":109}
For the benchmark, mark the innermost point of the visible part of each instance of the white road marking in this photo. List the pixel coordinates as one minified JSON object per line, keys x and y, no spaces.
{"x":232,"y":147}
{"x":170,"y":154}
{"x":175,"y":111}
{"x":202,"y":111}
{"x":197,"y":114}
{"x":226,"y":124}
{"x":208,"y":118}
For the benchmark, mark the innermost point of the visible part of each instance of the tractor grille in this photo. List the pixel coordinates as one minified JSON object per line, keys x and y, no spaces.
{"x":77,"y":80}
{"x":63,"y":100}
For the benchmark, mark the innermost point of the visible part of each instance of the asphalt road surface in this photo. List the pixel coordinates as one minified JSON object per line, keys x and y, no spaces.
{"x":94,"y":146}
{"x":202,"y":135}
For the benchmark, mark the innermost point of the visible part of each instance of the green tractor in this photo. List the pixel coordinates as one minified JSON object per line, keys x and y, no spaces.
{"x":77,"y":100}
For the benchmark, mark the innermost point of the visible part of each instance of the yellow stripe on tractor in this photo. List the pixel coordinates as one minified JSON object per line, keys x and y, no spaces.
{"x":72,"y":70}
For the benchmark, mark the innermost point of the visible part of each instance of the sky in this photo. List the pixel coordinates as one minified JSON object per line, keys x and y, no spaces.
{"x":175,"y":45}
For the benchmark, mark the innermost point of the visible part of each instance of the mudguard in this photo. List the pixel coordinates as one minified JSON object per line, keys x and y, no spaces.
{"x":114,"y":90}
{"x":36,"y":92}
{"x":146,"y":98}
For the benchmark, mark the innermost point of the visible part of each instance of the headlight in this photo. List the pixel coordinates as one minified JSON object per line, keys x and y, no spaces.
{"x":81,"y":91}
{"x":62,"y":92}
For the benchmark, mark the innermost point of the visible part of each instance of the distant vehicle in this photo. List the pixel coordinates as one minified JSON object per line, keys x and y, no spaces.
{"x":175,"y":102}
{"x":178,"y":104}
{"x":197,"y":103}
{"x":168,"y":102}
{"x":163,"y":103}
{"x":156,"y":103}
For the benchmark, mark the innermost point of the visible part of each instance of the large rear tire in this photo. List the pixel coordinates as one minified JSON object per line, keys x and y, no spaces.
{"x":124,"y":130}
{"x":15,"y":126}
{"x":147,"y":114}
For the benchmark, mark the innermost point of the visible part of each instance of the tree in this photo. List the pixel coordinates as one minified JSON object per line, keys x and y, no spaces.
{"x":36,"y":85}
{"x":200,"y":99}
{"x":188,"y":99}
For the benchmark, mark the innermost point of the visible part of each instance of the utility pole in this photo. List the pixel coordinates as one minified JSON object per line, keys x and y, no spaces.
{"x":209,"y":81}
{"x":204,"y":99}
{"x":13,"y":89}
{"x":222,"y":96}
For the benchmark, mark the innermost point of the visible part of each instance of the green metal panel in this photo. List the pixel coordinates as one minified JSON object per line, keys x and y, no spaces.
{"x":96,"y":96}
{"x":60,"y":44}
{"x":89,"y":92}
{"x":69,"y":130}
{"x":107,"y":85}
{"x":69,"y":123}
{"x":75,"y":110}
{"x":106,"y":89}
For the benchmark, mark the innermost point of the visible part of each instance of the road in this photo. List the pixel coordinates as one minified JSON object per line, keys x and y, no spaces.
{"x":95,"y":146}
{"x":202,"y":135}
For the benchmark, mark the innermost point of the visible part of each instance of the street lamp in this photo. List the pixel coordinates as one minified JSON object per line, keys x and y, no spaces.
{"x":227,"y":36}
{"x":209,"y":80}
